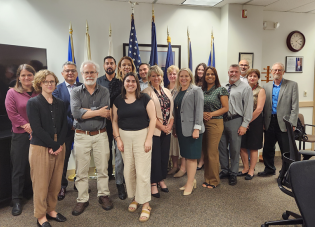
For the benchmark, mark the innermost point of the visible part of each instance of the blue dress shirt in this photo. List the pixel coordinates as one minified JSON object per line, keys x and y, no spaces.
{"x":275,"y":96}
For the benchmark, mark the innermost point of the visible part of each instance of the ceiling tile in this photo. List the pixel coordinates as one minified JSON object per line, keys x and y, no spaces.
{"x":223,"y":3}
{"x":170,"y":2}
{"x":286,"y":5}
{"x":261,"y":2}
{"x":305,"y":8}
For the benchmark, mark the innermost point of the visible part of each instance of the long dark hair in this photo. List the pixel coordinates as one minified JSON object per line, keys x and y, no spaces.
{"x":123,"y":89}
{"x":216,"y":82}
{"x":197,"y":79}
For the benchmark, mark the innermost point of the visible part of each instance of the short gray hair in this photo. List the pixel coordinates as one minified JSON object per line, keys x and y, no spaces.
{"x":235,"y":66}
{"x":97,"y":67}
{"x":68,"y":63}
{"x":278,"y":63}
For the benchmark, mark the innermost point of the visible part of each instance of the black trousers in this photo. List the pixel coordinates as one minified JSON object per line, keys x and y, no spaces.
{"x":273,"y":135}
{"x":21,"y":178}
{"x":160,"y":157}
{"x":68,"y":145}
{"x":109,"y":129}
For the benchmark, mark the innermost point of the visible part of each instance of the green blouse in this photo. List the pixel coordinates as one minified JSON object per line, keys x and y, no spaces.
{"x":212,"y":99}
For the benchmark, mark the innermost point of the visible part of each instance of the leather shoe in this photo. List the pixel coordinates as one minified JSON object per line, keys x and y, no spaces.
{"x":58,"y":218}
{"x":62,"y":194}
{"x":232,"y":180}
{"x":223,"y":175}
{"x":249,"y":177}
{"x":265,"y":173}
{"x":241,"y":174}
{"x":45,"y":224}
{"x":106,"y":203}
{"x":17,"y":208}
{"x":79,"y":208}
{"x":121,"y":191}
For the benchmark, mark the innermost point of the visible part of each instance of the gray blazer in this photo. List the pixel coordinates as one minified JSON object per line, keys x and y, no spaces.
{"x":192,"y":110}
{"x":288,"y":103}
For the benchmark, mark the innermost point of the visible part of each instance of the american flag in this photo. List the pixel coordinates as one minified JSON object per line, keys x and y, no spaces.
{"x":133,"y":50}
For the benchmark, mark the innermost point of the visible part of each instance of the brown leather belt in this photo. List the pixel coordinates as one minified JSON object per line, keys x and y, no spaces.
{"x":91,"y":133}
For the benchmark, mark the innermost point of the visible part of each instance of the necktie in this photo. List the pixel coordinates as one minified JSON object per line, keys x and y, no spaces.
{"x":229,"y":89}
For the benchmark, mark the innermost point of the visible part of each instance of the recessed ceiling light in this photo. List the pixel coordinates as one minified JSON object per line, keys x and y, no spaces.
{"x":202,"y":2}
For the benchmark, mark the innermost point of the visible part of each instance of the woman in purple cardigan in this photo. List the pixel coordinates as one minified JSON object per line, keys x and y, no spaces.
{"x":15,"y":104}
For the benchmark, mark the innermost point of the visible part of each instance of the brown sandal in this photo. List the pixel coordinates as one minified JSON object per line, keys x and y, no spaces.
{"x":133,"y":206}
{"x":145,"y":213}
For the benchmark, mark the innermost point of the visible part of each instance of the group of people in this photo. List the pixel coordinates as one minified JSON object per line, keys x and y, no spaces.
{"x":148,"y":123}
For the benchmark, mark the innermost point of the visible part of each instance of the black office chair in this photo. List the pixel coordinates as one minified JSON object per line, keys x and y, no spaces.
{"x":284,"y":180}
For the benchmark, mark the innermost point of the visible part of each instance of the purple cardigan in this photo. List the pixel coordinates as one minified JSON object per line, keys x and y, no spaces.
{"x":15,"y":104}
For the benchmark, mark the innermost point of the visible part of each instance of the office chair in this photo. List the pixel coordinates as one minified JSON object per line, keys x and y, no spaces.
{"x":284,"y":178}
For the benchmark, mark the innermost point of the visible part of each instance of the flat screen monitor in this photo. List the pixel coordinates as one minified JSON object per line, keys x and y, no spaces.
{"x":11,"y":57}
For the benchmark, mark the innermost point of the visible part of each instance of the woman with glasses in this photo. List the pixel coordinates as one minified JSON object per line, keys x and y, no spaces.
{"x":48,"y":120}
{"x":15,"y":103}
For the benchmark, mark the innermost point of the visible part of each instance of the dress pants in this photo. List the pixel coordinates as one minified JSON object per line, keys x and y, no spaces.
{"x":229,"y":146}
{"x":46,"y":173}
{"x":273,"y":135}
{"x":21,"y":178}
{"x":210,"y":145}
{"x":83,"y":145}
{"x":119,"y":166}
{"x":109,"y":130}
{"x":160,"y":157}
{"x":68,"y":145}
{"x":137,"y":165}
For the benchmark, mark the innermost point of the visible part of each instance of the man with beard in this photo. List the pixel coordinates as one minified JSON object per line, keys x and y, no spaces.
{"x":90,"y":108}
{"x":143,"y":72}
{"x":282,"y":99}
{"x":236,"y":121}
{"x":114,"y":85}
{"x":244,"y":65}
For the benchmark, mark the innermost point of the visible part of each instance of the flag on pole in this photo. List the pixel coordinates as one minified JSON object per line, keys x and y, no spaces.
{"x":189,"y":52}
{"x":71,"y":48}
{"x":169,"y":60}
{"x":110,"y":44}
{"x":133,"y":50}
{"x":211,"y":61}
{"x":87,"y":51}
{"x":154,"y":53}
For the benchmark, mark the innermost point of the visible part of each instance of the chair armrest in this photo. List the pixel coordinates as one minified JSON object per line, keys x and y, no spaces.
{"x":310,"y":125}
{"x":286,"y":161}
{"x":304,"y":152}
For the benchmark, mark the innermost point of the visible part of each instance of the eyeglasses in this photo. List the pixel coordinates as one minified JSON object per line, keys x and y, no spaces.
{"x":70,"y":71}
{"x":46,"y":82}
{"x":243,"y":65}
{"x":277,"y":70}
{"x":87,"y":73}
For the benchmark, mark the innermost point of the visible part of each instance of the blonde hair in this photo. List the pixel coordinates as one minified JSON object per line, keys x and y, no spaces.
{"x":172,"y":68}
{"x":119,"y":73}
{"x":177,"y":84}
{"x":155,"y":69}
{"x":40,"y":77}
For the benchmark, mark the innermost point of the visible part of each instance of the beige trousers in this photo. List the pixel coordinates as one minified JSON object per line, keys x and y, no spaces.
{"x":46,"y":173}
{"x":83,"y":145}
{"x":137,"y":165}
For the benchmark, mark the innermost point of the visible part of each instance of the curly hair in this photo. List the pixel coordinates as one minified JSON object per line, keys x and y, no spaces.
{"x":40,"y":77}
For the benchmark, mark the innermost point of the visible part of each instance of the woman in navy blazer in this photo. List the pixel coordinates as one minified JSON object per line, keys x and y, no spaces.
{"x":189,"y":127}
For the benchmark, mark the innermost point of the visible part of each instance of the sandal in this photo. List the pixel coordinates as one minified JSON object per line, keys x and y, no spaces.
{"x":133,"y":206}
{"x":212,"y":186}
{"x":205,"y":184}
{"x":145,"y":213}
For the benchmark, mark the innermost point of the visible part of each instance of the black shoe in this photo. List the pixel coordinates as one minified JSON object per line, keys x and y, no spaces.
{"x":58,"y":218}
{"x":62,"y":194}
{"x":266,"y":173}
{"x":163,"y":189}
{"x":121,"y":191}
{"x":248,"y":177}
{"x":223,"y":175}
{"x":240,"y":174}
{"x":17,"y":208}
{"x":200,"y":168}
{"x":232,"y":180}
{"x":156,"y":195}
{"x":75,"y":188}
{"x":45,"y":224}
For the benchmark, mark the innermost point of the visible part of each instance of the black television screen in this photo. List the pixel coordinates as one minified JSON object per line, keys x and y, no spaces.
{"x":11,"y":57}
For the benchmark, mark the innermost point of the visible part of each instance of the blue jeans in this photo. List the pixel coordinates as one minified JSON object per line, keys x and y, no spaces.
{"x":119,"y":166}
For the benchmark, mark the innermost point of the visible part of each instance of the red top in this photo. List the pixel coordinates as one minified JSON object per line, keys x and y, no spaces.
{"x":15,"y":104}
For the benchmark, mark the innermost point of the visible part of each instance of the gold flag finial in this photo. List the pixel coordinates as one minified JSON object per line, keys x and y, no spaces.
{"x":87,"y":26}
{"x":153,"y":17}
{"x":70,"y":29}
{"x":87,"y":40}
{"x":168,"y":36}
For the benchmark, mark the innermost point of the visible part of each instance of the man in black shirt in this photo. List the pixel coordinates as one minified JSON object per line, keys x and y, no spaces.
{"x":113,"y":84}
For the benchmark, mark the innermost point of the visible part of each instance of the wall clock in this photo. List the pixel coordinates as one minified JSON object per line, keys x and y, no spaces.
{"x":295,"y":41}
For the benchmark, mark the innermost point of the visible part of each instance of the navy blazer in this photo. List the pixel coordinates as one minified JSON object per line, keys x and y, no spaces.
{"x":62,"y":93}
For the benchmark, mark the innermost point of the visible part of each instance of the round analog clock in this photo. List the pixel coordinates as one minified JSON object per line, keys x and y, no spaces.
{"x":295,"y":41}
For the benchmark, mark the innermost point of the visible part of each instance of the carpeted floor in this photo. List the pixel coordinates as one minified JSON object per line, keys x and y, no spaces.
{"x":248,"y":204}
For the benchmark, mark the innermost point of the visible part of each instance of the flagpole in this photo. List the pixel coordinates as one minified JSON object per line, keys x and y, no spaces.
{"x":110,"y":43}
{"x":188,"y":46}
{"x":71,"y":40}
{"x":87,"y":36}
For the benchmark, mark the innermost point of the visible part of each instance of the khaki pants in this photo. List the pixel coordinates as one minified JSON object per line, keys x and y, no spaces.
{"x":137,"y":165}
{"x":83,"y":145}
{"x":210,"y":144}
{"x":46,"y":173}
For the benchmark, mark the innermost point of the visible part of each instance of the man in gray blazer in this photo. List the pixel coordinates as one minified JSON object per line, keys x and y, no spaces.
{"x":235,"y":123}
{"x":282,"y":99}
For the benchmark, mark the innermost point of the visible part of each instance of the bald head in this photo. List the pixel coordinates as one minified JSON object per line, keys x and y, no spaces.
{"x":244,"y":65}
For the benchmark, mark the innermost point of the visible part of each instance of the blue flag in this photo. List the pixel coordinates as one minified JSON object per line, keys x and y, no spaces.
{"x":70,"y":51}
{"x":169,"y":62}
{"x":211,"y":61}
{"x":154,"y":53}
{"x":190,"y":57}
{"x":133,"y":50}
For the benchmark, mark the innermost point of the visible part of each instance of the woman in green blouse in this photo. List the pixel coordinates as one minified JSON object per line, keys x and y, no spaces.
{"x":216,"y":103}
